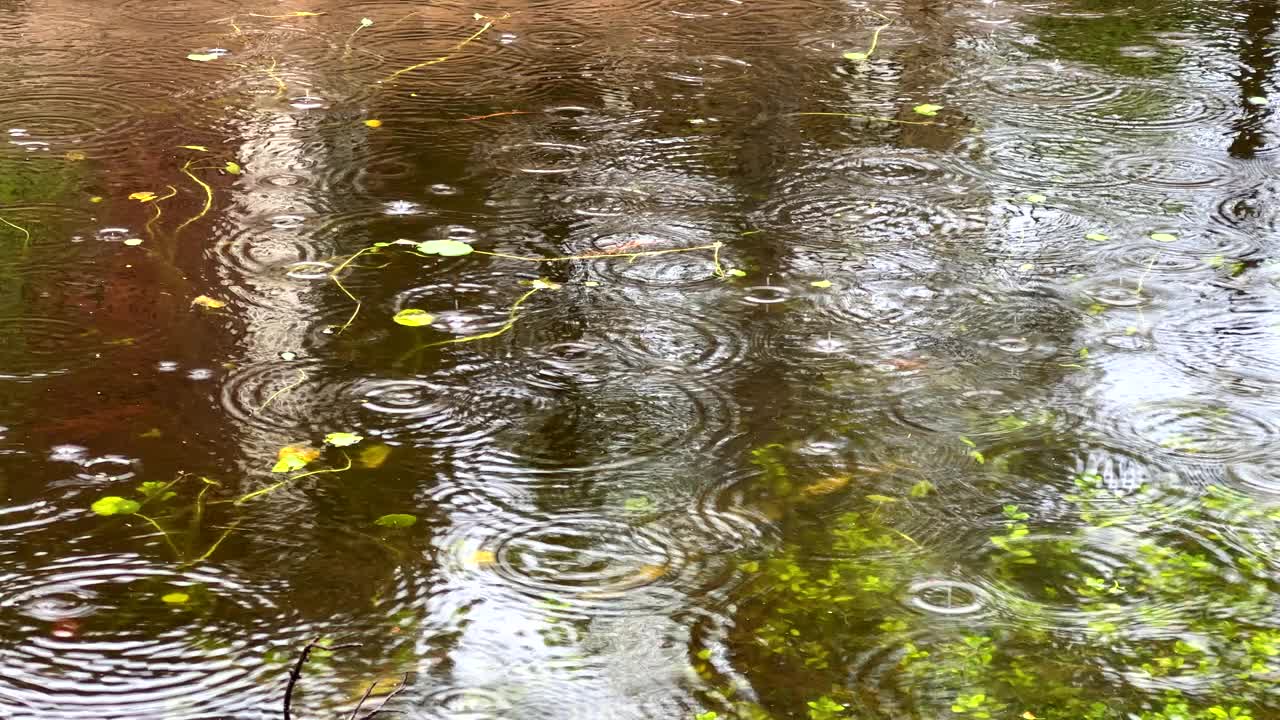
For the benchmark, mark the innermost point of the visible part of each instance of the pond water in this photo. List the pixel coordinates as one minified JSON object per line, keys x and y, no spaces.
{"x":715,"y":359}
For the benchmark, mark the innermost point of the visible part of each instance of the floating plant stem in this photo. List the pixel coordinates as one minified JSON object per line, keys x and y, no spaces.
{"x":875,"y":40}
{"x":604,"y":254}
{"x":208,"y":197}
{"x":338,"y":281}
{"x":281,"y":88}
{"x":26,"y":241}
{"x":271,"y":398}
{"x":483,"y":29}
{"x":1143,"y":278}
{"x":364,"y":23}
{"x":510,"y":323}
{"x":168,"y":541}
{"x":214,"y":546}
{"x":155,"y":203}
{"x":276,"y":486}
{"x":867,"y":117}
{"x":494,"y":115}
{"x":294,"y":14}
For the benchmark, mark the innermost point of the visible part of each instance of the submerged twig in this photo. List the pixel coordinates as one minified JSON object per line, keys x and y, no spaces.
{"x":295,"y":673}
{"x":484,"y":29}
{"x":404,"y":682}
{"x":26,"y":242}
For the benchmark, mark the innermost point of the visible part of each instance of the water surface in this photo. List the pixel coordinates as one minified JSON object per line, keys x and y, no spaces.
{"x":965,"y":414}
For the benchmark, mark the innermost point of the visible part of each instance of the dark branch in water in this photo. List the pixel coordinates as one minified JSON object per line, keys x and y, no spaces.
{"x":296,"y":673}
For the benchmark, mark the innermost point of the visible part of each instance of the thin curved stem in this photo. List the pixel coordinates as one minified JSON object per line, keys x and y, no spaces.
{"x":26,"y":235}
{"x":601,"y":255}
{"x":337,"y":281}
{"x":208,"y":198}
{"x":484,"y":29}
{"x":276,"y":486}
{"x":302,"y":376}
{"x":155,"y":203}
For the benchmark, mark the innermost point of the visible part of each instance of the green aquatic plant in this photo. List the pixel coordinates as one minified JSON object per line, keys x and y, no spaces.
{"x":115,"y":505}
{"x":875,"y":40}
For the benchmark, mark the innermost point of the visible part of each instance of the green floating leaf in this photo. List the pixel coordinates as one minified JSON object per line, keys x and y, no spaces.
{"x":115,"y":505}
{"x":202,"y":57}
{"x":921,"y":489}
{"x":155,"y":490}
{"x":176,"y":598}
{"x":735,"y":272}
{"x":232,"y":168}
{"x":637,"y":504}
{"x":413,"y":317}
{"x":1163,"y":237}
{"x":447,"y":248}
{"x":342,"y":439}
{"x":1036,"y":198}
{"x":1097,"y":237}
{"x":396,"y":520}
{"x":855,"y":56}
{"x":927,"y":109}
{"x":821,"y":284}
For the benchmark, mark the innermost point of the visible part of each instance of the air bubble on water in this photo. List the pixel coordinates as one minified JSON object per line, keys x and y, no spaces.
{"x":946,"y":597}
{"x":68,"y":453}
{"x":401,"y":207}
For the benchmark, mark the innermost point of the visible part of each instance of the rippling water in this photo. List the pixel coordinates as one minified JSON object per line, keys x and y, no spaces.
{"x":756,"y":381}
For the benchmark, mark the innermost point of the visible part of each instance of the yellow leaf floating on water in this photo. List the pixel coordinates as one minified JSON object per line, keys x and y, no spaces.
{"x":208,"y":302}
{"x":826,"y":486}
{"x":294,"y":457}
{"x":143,"y":196}
{"x":201,"y":148}
{"x":202,"y":57}
{"x":341,"y":439}
{"x":482,"y":558}
{"x":133,"y":242}
{"x":75,"y":155}
{"x":373,"y":123}
{"x":374,"y":455}
{"x":413,"y":317}
{"x":232,"y":168}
